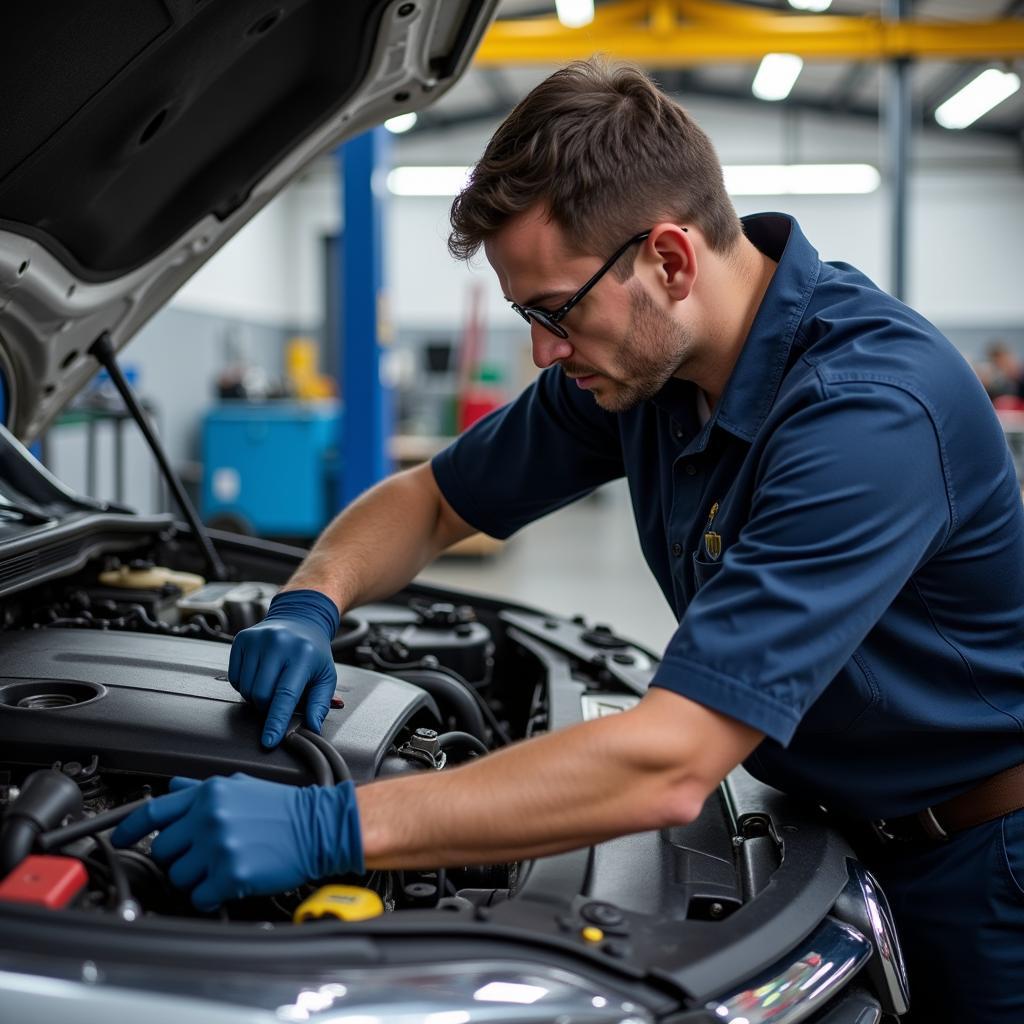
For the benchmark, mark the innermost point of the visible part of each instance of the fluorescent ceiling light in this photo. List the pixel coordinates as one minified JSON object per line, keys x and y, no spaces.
{"x":801,"y":179}
{"x":575,"y":13}
{"x":400,"y":123}
{"x":776,"y":76}
{"x":811,"y":5}
{"x":740,"y":180}
{"x":978,"y":97}
{"x":427,"y":181}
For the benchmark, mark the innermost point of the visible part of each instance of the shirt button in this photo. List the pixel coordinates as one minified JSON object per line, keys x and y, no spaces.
{"x":677,"y":549}
{"x":691,"y":469}
{"x":677,"y":431}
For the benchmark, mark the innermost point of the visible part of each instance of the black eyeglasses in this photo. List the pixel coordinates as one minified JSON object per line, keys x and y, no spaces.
{"x":552,"y":320}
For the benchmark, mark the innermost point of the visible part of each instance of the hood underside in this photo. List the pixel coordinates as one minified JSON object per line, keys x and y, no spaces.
{"x":137,"y":136}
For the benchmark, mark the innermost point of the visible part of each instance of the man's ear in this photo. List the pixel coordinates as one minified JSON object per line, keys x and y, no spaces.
{"x":672,"y":249}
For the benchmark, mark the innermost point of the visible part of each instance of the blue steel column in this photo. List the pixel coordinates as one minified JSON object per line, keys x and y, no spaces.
{"x":367,"y":419}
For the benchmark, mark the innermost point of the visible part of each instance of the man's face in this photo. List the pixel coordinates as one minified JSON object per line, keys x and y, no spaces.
{"x":622,"y":345}
{"x":652,"y":351}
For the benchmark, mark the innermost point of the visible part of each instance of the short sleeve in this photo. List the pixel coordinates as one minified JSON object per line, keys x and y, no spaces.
{"x":851,"y":498}
{"x":550,"y":446}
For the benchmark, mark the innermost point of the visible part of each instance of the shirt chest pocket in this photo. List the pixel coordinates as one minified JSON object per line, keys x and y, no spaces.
{"x":704,"y":568}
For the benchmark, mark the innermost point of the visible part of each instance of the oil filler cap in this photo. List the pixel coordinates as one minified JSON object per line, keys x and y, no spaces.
{"x":344,"y":902}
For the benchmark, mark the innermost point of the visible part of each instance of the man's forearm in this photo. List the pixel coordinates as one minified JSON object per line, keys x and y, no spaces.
{"x":378,"y":544}
{"x":553,"y":793}
{"x":613,"y":776}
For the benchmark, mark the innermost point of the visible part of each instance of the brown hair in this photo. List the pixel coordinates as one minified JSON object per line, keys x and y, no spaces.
{"x":608,"y":154}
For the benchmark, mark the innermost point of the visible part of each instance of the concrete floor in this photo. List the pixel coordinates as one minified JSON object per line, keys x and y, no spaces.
{"x":583,"y":559}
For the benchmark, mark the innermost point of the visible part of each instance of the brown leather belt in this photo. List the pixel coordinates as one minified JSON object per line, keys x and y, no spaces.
{"x":990,"y":799}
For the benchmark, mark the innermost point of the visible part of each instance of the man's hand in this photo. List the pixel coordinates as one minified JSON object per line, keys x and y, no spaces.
{"x":273,"y":662}
{"x":226,"y":838}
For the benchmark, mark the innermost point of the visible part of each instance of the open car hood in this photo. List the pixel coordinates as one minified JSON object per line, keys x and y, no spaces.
{"x":138,"y":136}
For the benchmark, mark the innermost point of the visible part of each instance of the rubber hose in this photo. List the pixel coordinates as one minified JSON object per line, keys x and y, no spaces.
{"x":16,"y":842}
{"x":357,"y":632}
{"x":47,"y":797}
{"x":492,"y":720}
{"x":452,"y":695}
{"x":59,"y":837}
{"x":125,"y":905}
{"x":339,"y":768}
{"x":461,"y":741}
{"x":311,"y":756}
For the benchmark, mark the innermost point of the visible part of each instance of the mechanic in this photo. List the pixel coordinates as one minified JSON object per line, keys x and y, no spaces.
{"x":821,"y":489}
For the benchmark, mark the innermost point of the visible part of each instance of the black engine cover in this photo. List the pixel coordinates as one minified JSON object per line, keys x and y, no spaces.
{"x":163,"y":706}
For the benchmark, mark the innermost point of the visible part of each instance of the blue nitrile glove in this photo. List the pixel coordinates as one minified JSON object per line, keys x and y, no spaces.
{"x":230,"y":837}
{"x":273,"y":662}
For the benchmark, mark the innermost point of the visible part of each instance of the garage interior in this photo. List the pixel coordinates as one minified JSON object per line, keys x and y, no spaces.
{"x":245,"y":783}
{"x":851,"y":133}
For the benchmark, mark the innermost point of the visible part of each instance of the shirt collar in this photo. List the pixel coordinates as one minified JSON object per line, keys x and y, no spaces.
{"x":755,"y":379}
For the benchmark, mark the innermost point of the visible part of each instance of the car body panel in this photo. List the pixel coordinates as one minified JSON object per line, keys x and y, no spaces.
{"x":71,"y":274}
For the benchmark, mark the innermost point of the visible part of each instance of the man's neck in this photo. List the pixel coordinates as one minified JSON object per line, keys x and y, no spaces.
{"x":734,"y":288}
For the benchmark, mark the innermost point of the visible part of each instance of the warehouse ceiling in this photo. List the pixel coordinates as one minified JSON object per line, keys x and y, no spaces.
{"x":486,"y":94}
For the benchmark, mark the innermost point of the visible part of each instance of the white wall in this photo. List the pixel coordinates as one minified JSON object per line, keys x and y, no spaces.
{"x":967,"y":247}
{"x":966,"y":226}
{"x":251,"y":277}
{"x":966,"y":213}
{"x":965,"y":244}
{"x":313,"y":212}
{"x":427,"y":286}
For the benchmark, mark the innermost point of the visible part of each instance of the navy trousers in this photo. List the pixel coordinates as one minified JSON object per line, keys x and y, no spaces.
{"x":959,"y":909}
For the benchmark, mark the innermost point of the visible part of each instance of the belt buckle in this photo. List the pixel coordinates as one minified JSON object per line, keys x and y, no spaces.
{"x":925,"y":820}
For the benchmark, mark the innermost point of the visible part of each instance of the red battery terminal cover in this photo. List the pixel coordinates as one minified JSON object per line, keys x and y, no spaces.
{"x":45,"y":880}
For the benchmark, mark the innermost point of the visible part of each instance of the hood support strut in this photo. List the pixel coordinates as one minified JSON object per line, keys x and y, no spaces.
{"x":103,"y":352}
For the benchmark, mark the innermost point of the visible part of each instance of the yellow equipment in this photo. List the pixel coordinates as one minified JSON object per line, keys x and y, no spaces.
{"x":683,"y":33}
{"x":344,"y":902}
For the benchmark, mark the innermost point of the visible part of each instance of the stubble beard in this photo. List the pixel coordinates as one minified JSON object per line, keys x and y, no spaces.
{"x":651,"y":352}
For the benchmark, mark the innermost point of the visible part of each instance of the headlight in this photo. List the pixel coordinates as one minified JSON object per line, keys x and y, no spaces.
{"x":481,"y":992}
{"x":863,"y":905}
{"x":473,"y":993}
{"x":800,"y":983}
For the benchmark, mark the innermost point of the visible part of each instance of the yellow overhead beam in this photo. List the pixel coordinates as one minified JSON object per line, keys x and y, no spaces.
{"x":681,"y":33}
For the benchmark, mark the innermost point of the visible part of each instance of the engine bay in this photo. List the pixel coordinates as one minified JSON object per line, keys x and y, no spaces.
{"x":115,"y":681}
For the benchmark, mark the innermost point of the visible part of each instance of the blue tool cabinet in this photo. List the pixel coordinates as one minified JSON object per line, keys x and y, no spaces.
{"x":271,"y":468}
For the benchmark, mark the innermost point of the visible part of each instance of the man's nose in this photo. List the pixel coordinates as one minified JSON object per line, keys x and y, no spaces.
{"x":547,"y":347}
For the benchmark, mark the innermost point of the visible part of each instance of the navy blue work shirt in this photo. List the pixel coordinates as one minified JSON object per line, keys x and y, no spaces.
{"x":842,"y":542}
